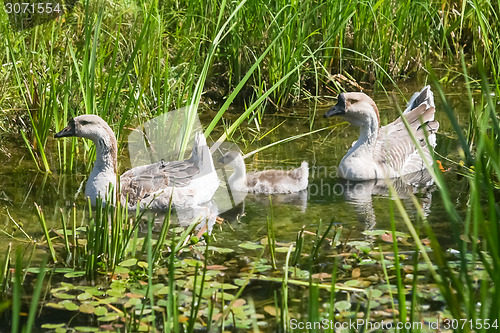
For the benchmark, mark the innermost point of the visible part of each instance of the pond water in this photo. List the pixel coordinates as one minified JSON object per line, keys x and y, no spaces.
{"x":326,"y":200}
{"x":21,"y":184}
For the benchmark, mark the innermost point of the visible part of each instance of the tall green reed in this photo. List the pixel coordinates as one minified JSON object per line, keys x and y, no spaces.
{"x":18,"y":323}
{"x":476,"y":231}
{"x":130,"y":62}
{"x":198,"y":89}
{"x":109,"y":232}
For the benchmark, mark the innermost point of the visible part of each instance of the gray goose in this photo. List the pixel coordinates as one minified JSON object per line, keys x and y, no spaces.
{"x":387,"y":151}
{"x":189,"y":182}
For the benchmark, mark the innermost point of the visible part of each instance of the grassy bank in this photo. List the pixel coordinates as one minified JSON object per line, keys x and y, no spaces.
{"x":129,"y":61}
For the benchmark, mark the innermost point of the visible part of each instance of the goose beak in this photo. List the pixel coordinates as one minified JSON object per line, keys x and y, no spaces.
{"x":67,"y":131}
{"x":338,"y":109}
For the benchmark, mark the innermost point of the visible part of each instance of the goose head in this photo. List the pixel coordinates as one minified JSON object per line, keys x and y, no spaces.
{"x":94,"y":128}
{"x":232,"y":159}
{"x":88,"y":126}
{"x":357,"y":108}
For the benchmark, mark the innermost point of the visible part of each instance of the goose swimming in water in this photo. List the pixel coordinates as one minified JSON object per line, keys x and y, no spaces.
{"x":387,"y":151}
{"x":191,"y":182}
{"x":268,"y":181}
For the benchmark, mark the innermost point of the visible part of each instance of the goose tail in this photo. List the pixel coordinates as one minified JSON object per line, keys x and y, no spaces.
{"x":198,"y":144}
{"x":424,"y":96}
{"x":201,"y":154}
{"x":420,"y":114}
{"x":431,"y":127}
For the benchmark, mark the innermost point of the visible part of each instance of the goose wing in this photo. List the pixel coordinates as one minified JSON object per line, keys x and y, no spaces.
{"x":143,"y":181}
{"x":140,"y":182}
{"x":395,"y":147}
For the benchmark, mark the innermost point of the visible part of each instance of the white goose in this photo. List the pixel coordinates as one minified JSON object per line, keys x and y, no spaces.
{"x":191,"y":181}
{"x":267,"y":181}
{"x":387,"y":151}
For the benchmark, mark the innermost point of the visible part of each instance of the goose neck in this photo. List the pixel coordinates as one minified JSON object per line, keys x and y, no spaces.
{"x":106,"y":154}
{"x":368,"y":135}
{"x":238,"y":179}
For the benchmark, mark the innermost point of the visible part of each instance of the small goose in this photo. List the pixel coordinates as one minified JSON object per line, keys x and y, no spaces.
{"x":191,"y":181}
{"x":268,"y":181}
{"x":387,"y":151}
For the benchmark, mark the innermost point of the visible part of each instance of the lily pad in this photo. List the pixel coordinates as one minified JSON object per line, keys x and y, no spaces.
{"x":352,"y":283}
{"x":109,"y":317}
{"x":100,"y":311}
{"x":74,"y":274}
{"x":220,"y":249}
{"x":271,"y":310}
{"x":108,"y":300}
{"x":121,"y":270}
{"x":86,"y":329}
{"x":251,"y":246}
{"x":142,"y":264}
{"x":70,"y":306}
{"x":375,"y":293}
{"x":53,"y":326}
{"x":342,"y":305}
{"x":64,"y":296}
{"x":117,"y":292}
{"x":134,"y":302}
{"x":128,"y":263}
{"x":84,"y":296}
{"x":283,"y":249}
{"x":87,"y":308}
{"x":55,"y":305}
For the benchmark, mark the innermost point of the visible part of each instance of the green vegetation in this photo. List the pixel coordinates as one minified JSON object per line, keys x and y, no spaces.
{"x":130,"y":61}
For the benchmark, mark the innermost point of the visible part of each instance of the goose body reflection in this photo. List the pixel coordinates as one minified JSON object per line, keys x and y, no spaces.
{"x":203,"y":215}
{"x":359,"y":194}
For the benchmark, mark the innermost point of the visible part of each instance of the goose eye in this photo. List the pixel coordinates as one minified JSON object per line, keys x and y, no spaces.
{"x":85,"y":122}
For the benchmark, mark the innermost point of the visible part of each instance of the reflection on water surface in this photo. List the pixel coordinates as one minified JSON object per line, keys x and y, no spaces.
{"x":355,"y":206}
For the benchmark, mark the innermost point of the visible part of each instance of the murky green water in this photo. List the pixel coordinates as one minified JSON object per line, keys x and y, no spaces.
{"x":326,"y":200}
{"x":22,"y":185}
